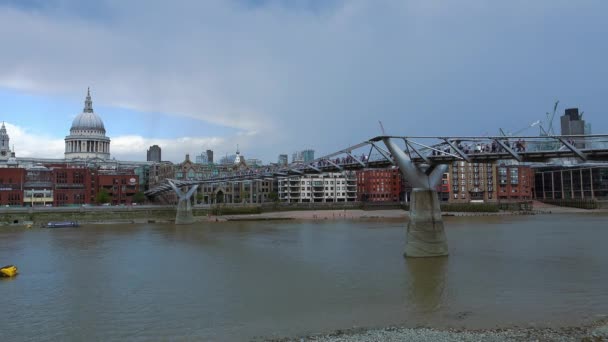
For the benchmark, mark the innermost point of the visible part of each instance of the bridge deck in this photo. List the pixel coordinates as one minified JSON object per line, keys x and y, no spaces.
{"x":443,"y":151}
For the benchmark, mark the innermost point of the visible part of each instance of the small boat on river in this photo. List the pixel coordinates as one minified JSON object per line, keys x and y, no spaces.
{"x":61,"y":224}
{"x":9,"y":271}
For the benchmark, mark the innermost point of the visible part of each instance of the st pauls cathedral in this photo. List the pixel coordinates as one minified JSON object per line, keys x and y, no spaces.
{"x":87,"y":139}
{"x":85,"y":170}
{"x":87,"y":142}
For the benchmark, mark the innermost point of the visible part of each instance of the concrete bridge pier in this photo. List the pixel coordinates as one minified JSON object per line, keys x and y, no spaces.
{"x":425,"y":232}
{"x":184,"y":205}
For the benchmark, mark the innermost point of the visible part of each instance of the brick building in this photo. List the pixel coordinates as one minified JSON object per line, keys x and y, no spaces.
{"x":38,"y":186}
{"x":380,"y":185}
{"x":72,"y":186}
{"x":11,"y":186}
{"x":120,"y":186}
{"x":471,"y":182}
{"x":514,"y":182}
{"x":489,"y":182}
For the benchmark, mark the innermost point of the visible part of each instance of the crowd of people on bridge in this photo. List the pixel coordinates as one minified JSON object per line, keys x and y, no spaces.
{"x":477,"y":148}
{"x":340,"y":161}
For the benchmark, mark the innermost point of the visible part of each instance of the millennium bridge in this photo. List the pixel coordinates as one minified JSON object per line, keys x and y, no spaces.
{"x":422,"y":160}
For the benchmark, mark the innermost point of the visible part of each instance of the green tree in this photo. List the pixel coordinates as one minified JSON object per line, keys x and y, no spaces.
{"x":139,"y":197}
{"x":102,"y":197}
{"x":199,"y":197}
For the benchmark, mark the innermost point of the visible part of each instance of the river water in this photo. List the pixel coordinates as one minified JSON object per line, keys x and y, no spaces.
{"x":244,"y":280}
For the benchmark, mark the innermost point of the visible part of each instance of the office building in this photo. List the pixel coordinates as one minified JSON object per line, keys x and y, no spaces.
{"x":154,"y":154}
{"x":283,"y":160}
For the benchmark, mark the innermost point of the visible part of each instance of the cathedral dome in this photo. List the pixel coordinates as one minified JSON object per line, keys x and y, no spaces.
{"x":87,"y":121}
{"x":87,"y":137}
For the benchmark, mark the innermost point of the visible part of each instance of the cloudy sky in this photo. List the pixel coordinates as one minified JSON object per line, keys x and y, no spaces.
{"x":276,"y":76}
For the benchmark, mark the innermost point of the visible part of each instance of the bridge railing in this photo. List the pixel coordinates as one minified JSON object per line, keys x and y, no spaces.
{"x":426,"y":149}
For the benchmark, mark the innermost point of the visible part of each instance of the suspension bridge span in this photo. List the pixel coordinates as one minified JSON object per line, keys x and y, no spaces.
{"x":422,"y":160}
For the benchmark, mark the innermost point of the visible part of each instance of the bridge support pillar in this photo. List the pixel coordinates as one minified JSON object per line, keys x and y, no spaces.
{"x":425,"y":233}
{"x":184,"y":205}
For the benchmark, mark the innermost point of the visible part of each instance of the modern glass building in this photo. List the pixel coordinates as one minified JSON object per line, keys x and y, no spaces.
{"x":572,"y":182}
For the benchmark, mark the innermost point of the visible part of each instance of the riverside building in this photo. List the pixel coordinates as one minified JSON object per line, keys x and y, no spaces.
{"x":380,"y":185}
{"x":488,"y":182}
{"x":327,"y":187}
{"x":561,"y":182}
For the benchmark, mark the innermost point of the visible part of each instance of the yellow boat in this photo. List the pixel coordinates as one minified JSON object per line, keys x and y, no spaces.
{"x":9,"y":271}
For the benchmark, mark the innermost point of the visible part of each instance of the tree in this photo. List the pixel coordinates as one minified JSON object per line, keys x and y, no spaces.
{"x":199,"y":197}
{"x":102,"y":197}
{"x":139,"y":197}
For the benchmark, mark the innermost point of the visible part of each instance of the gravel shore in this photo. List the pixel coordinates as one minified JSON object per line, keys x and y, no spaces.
{"x":594,"y":332}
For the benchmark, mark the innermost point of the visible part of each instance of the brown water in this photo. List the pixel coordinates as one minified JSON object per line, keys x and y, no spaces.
{"x":237,"y":281}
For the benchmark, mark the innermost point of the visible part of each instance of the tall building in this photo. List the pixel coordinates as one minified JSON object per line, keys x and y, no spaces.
{"x":87,"y":137}
{"x":204,"y":158}
{"x":283,"y":159}
{"x":5,"y":151}
{"x":308,"y":155}
{"x":304,"y":156}
{"x":201,"y":159}
{"x":154,"y":154}
{"x":228,"y":159}
{"x":573,"y":124}
{"x":297,"y":157}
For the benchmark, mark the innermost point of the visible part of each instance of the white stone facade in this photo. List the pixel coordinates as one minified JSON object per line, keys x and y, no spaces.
{"x":87,"y":139}
{"x":328,"y":187}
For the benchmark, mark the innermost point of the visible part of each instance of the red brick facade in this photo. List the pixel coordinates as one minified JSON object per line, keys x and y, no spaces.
{"x":11,"y":186}
{"x":382,"y":185}
{"x":514,"y":182}
{"x":67,"y":185}
{"x":120,"y":187}
{"x":72,"y":186}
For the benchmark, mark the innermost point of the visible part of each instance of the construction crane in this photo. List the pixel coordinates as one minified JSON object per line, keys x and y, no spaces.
{"x":509,"y":134}
{"x":550,"y":117}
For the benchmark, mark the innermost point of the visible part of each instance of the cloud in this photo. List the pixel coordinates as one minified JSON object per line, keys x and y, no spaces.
{"x":135,"y":147}
{"x":314,"y":75}
{"x":27,"y":144}
{"x":132,"y":148}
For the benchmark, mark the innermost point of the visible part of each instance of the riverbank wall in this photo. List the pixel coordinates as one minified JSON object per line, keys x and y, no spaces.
{"x":166,"y":213}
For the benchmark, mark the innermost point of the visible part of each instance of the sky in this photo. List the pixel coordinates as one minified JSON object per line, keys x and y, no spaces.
{"x":278,"y":76}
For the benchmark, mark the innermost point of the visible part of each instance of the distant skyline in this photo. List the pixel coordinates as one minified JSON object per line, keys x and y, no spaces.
{"x":278,"y":76}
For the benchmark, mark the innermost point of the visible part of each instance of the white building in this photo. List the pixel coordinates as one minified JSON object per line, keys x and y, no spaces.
{"x":87,"y":139}
{"x":328,"y":187}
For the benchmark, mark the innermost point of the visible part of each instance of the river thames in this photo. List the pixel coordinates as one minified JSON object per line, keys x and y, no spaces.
{"x":245,"y":280}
